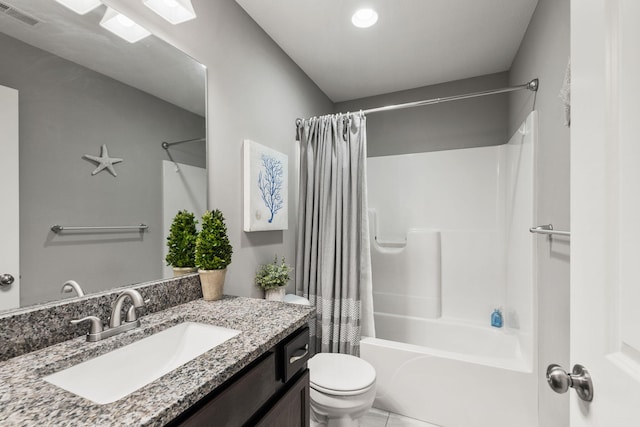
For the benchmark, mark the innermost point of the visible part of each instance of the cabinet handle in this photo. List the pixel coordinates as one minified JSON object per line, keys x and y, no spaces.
{"x":296,"y":356}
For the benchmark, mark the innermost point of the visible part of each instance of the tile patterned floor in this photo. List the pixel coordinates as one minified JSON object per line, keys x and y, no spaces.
{"x":377,"y":418}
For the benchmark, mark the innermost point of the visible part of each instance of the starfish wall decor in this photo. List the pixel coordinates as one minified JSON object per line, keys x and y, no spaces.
{"x":104,"y":161}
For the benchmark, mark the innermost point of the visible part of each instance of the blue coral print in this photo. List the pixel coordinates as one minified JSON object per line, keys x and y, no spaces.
{"x":270,"y":181}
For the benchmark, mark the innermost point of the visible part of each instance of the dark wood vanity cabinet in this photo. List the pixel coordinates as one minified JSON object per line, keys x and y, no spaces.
{"x":273,"y":391}
{"x":292,"y":410}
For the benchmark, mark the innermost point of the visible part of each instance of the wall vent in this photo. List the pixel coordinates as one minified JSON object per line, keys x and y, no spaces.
{"x":11,"y":11}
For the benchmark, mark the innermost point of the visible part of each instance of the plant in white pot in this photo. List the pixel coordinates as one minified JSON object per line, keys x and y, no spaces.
{"x":213,"y":254}
{"x":273,"y":278}
{"x":182,"y":244}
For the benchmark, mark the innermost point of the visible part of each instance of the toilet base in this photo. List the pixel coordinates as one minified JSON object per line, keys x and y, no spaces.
{"x":334,"y":422}
{"x":339,"y":411}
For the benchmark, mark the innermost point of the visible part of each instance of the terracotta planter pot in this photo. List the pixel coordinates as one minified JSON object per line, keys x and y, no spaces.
{"x":212,"y":282}
{"x":181,"y":271}
{"x":276,"y":294}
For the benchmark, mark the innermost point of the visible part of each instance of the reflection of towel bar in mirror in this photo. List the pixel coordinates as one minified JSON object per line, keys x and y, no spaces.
{"x":58,"y":228}
{"x":166,"y":145}
{"x":548,"y":229}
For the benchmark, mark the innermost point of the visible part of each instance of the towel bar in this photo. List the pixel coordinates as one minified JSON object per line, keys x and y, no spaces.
{"x":548,"y":229}
{"x":58,"y":228}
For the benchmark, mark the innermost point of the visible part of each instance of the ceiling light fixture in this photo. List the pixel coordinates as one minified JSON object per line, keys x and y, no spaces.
{"x":80,"y":6}
{"x":122,"y":26}
{"x":174,"y":11}
{"x":364,"y":18}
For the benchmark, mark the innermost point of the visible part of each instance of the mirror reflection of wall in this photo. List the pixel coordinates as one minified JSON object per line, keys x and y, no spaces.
{"x":67,"y":111}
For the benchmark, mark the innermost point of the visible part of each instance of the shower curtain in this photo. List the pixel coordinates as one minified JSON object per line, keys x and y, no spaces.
{"x":333,"y":259}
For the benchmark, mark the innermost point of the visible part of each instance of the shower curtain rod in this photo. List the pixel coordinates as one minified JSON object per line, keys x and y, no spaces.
{"x":166,"y":145}
{"x":532,"y":86}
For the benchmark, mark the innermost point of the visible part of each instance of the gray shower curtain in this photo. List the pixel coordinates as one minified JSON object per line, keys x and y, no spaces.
{"x":333,"y":259}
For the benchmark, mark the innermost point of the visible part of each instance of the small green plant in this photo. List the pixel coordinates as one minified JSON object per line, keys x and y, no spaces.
{"x":213,"y":249}
{"x":274,"y":275}
{"x":182,"y":241}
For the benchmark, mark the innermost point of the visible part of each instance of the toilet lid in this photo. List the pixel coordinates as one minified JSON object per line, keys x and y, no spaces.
{"x":340,"y":373}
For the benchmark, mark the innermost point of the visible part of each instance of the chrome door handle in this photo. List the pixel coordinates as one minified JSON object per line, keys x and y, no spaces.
{"x":6,"y":280}
{"x":579,"y":379}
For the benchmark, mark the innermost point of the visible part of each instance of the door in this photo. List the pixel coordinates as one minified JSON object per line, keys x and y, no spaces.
{"x":9,"y":246}
{"x":605,"y":209}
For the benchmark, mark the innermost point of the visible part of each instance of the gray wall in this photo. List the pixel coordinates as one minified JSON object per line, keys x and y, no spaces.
{"x":544,"y":53}
{"x":255,"y":92}
{"x":67,"y":111}
{"x":467,"y":123}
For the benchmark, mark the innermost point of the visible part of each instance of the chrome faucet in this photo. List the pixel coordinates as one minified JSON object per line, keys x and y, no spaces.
{"x":97,"y":331}
{"x":70,"y":286}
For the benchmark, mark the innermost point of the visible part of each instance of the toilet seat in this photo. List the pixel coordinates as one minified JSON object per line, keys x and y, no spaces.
{"x":340,"y":392}
{"x":340,"y":374}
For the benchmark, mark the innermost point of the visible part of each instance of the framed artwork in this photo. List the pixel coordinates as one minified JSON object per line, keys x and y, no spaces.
{"x":266,"y":188}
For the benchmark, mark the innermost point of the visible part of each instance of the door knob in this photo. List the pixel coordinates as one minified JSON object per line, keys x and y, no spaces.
{"x":579,"y":379}
{"x":6,"y":280}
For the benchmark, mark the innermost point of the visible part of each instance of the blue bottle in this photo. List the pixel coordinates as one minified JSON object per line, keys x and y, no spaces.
{"x":496,"y":318}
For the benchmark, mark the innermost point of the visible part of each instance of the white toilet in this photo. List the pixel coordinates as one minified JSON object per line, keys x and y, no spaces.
{"x":343,"y":387}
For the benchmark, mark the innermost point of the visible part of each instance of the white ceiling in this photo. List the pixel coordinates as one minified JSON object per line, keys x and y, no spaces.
{"x":415,"y":42}
{"x":150,"y":65}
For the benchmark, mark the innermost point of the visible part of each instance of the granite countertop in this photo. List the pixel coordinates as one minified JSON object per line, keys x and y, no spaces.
{"x":27,"y":400}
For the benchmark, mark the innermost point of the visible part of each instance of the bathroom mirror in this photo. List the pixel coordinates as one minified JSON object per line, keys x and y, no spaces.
{"x":81,"y":88}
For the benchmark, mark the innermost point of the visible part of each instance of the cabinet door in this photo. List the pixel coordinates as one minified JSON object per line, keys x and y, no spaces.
{"x":236,"y":403}
{"x":292,"y":410}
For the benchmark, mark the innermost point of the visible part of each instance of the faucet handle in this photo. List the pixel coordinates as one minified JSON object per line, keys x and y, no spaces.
{"x":131,"y":315}
{"x":96,"y":324}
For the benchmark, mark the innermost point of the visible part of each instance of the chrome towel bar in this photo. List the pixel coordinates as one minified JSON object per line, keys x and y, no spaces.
{"x":548,"y":229}
{"x":58,"y":228}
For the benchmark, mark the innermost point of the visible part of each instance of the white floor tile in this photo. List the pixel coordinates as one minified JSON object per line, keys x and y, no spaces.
{"x":396,"y":420}
{"x":374,"y":418}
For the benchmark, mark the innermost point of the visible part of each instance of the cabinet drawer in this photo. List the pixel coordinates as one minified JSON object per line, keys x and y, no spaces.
{"x":295,"y":354}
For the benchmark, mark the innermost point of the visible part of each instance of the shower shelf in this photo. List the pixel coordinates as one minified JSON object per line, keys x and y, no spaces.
{"x":548,"y":229}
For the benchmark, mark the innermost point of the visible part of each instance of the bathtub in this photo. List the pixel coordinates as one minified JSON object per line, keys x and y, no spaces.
{"x":453,"y":374}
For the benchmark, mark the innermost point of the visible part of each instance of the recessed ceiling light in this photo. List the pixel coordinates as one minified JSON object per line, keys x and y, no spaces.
{"x":122,"y":26}
{"x":80,"y":6}
{"x":174,"y":11}
{"x":364,"y":18}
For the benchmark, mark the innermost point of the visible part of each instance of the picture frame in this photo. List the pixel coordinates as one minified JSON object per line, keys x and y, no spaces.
{"x":266,"y":188}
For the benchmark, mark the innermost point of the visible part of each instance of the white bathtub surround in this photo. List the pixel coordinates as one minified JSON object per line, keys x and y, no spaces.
{"x":480,"y":202}
{"x":500,"y":348}
{"x":333,"y":262}
{"x":415,"y":263}
{"x":451,"y":389}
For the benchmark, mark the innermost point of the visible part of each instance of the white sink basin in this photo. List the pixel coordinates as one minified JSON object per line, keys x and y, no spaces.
{"x":120,"y":372}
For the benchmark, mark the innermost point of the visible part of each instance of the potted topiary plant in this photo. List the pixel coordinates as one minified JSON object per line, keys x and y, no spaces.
{"x":272,"y":278}
{"x":182,"y":244}
{"x":213,"y":254}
